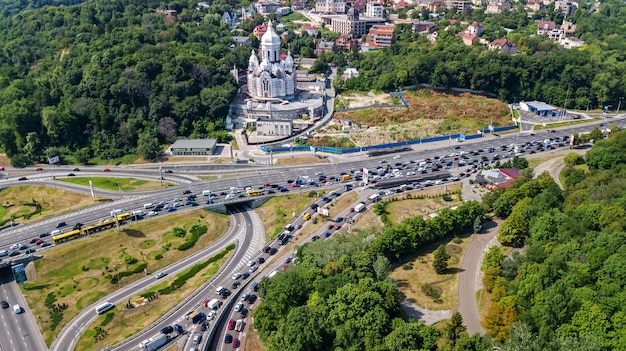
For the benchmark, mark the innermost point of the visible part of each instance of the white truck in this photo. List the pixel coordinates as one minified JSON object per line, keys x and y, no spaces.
{"x":360,"y":207}
{"x":214,"y":304}
{"x":154,"y":343}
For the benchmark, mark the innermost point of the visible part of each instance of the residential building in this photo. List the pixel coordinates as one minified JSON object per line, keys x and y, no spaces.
{"x":424,"y":27}
{"x":462,"y":6}
{"x":266,"y":7}
{"x":374,"y":9}
{"x":350,"y":24}
{"x":399,"y":5}
{"x":298,"y":5}
{"x":346,"y":42}
{"x":497,"y":6}
{"x":330,"y":6}
{"x":274,"y":127}
{"x":350,"y":73}
{"x":571,"y":43}
{"x":282,"y":11}
{"x":475,"y":28}
{"x":230,"y":18}
{"x":567,"y":7}
{"x":545,"y":26}
{"x":310,"y":30}
{"x":203,"y":5}
{"x":171,"y":16}
{"x":259,"y":30}
{"x":568,"y":27}
{"x":468,"y":38}
{"x":360,"y":5}
{"x":504,"y":46}
{"x":325,"y":46}
{"x":556,"y":34}
{"x":193,"y":147}
{"x":247,"y":12}
{"x":434,"y":6}
{"x":242,"y":41}
{"x":534,"y":5}
{"x":381,"y":36}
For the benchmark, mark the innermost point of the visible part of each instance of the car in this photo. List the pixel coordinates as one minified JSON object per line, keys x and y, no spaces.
{"x":261,"y":260}
{"x":33,"y":240}
{"x":273,"y":251}
{"x":22,"y":178}
{"x":14,"y":253}
{"x":239,"y":307}
{"x":231,"y":324}
{"x":76,"y":170}
{"x":171,"y":209}
{"x":106,"y":170}
{"x":338,"y":219}
{"x":60,"y":225}
{"x":78,"y":225}
{"x":38,"y":169}
{"x":210,"y":316}
{"x":251,"y":263}
{"x":4,"y":304}
{"x":252,"y":299}
{"x":167,"y":330}
{"x":204,"y":326}
{"x":266,"y":249}
{"x":197,"y":338}
{"x":236,"y":343}
{"x":186,"y":191}
{"x":351,"y":209}
{"x":152,"y":213}
{"x":244,"y":297}
{"x":337,"y":227}
{"x":1,"y":168}
{"x":23,"y":247}
{"x":236,"y":276}
{"x":43,"y":235}
{"x":39,"y":242}
{"x":331,"y":226}
{"x":244,"y":312}
{"x":327,"y":234}
{"x":228,"y":339}
{"x":287,"y":259}
{"x":44,"y":244}
{"x":315,"y":237}
{"x":71,"y":175}
{"x":235,"y":284}
{"x":160,"y":275}
{"x":245,"y":275}
{"x":253,"y":269}
{"x":169,"y":171}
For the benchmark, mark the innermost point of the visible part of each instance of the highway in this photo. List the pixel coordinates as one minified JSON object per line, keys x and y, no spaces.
{"x":251,"y":176}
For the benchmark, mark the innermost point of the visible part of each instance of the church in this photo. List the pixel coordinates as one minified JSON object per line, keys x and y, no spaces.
{"x":272,"y":78}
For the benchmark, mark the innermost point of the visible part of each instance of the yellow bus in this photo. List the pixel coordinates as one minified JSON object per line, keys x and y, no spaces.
{"x":71,"y":235}
{"x":104,"y":225}
{"x":123,"y":216}
{"x":255,"y":192}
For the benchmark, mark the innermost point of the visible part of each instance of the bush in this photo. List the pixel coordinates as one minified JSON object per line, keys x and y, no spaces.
{"x":107,"y":319}
{"x":195,"y":232}
{"x":119,"y":275}
{"x":407,"y":266}
{"x":430,"y":291}
{"x":128,"y":259}
{"x":179,"y":232}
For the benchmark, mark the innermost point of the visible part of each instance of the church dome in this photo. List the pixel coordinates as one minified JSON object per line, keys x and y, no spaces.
{"x":270,"y":38}
{"x":253,"y":62}
{"x":289,"y":60}
{"x":265,"y":65}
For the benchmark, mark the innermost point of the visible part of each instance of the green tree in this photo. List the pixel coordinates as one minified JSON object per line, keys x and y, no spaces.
{"x":455,"y":329}
{"x":493,"y":258}
{"x":440,"y":259}
{"x":596,"y":134}
{"x":148,"y":146}
{"x":573,"y":159}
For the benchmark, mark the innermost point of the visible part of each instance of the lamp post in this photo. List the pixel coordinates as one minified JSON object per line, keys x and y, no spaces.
{"x":619,"y":104}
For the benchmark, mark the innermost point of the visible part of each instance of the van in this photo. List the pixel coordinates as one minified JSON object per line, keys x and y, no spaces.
{"x":207,"y":193}
{"x":56,"y":232}
{"x":148,"y":205}
{"x":116,"y":212}
{"x":17,"y":309}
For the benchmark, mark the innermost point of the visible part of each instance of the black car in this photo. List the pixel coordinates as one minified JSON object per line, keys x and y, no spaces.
{"x":204,"y":326}
{"x":78,"y":225}
{"x":261,"y":260}
{"x":71,"y":175}
{"x":236,"y":284}
{"x":245,"y":275}
{"x":169,"y":171}
{"x":167,"y":330}
{"x":22,"y":178}
{"x":14,"y":253}
{"x":273,"y":251}
{"x":228,"y":338}
{"x":76,"y":169}
{"x":283,"y":189}
{"x":43,"y":235}
{"x":30,"y":251}
{"x":244,"y":312}
{"x":251,"y":299}
{"x":45,"y":244}
{"x":266,"y":249}
{"x":61,"y":224}
{"x":4,"y":304}
{"x":186,"y":192}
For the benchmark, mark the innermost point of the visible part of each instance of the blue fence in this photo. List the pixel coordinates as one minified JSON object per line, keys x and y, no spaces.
{"x":334,"y":150}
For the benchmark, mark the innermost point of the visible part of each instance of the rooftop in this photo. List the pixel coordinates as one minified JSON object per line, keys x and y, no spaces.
{"x":194,"y":144}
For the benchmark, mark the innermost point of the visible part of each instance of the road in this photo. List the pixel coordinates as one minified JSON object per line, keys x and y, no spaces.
{"x":250,"y":176}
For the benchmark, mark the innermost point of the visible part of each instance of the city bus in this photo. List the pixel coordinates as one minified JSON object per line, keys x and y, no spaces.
{"x":123,"y":216}
{"x":71,"y":235}
{"x":255,"y":192}
{"x":100,"y":309}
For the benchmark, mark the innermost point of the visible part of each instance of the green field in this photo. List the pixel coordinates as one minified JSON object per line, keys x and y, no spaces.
{"x":122,"y":184}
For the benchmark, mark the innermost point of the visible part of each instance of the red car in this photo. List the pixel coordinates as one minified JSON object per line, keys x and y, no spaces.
{"x":337,"y":227}
{"x":33,"y":240}
{"x":106,"y":170}
{"x":331,"y":226}
{"x":236,"y":343}
{"x":1,"y":168}
{"x":231,"y":326}
{"x":39,"y":169}
{"x":351,"y":209}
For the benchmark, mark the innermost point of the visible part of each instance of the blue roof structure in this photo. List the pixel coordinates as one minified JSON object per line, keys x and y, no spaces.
{"x":538,"y":106}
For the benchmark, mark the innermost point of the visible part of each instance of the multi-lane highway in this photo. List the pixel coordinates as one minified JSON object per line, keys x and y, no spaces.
{"x":249,"y":243}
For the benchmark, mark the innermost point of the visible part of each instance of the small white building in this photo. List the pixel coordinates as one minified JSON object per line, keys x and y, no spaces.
{"x":193,"y":147}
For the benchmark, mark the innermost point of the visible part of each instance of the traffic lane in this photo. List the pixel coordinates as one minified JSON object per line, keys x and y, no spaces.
{"x":65,"y":340}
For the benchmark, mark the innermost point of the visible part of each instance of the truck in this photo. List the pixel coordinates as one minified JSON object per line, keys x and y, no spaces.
{"x":214,"y":304}
{"x":360,"y":207}
{"x":206,"y":192}
{"x":154,"y":343}
{"x":196,"y":317}
{"x":346,"y":177}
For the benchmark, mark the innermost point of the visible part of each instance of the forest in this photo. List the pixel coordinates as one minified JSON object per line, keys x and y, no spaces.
{"x":106,"y":79}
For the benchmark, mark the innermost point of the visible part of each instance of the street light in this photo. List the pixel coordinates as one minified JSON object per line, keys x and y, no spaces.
{"x":619,"y":104}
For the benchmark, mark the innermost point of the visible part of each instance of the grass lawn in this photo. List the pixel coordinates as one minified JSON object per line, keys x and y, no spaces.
{"x":127,"y":322}
{"x":124,"y":184}
{"x":422,"y":203}
{"x":79,"y":273}
{"x":281,"y":210}
{"x":418,"y":270}
{"x":563,"y":124}
{"x":22,"y":202}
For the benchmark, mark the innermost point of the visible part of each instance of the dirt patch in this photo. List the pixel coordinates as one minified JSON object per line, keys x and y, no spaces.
{"x":301,"y":160}
{"x":428,"y":114}
{"x":453,"y":249}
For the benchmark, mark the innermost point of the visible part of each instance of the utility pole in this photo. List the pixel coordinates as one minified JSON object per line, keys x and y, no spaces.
{"x":619,"y":104}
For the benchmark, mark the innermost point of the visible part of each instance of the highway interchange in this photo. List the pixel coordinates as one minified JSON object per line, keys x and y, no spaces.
{"x":20,"y":332}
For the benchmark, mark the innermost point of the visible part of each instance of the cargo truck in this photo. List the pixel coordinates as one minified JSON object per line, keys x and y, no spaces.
{"x":196,"y":317}
{"x":360,"y":207}
{"x":214,"y":304}
{"x":155,"y":343}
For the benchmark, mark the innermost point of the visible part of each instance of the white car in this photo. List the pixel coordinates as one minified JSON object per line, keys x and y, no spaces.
{"x":251,"y":263}
{"x":210,"y":316}
{"x":15,"y":247}
{"x":253,"y":269}
{"x":161,"y":275}
{"x":152,"y":213}
{"x":238,"y":307}
{"x":396,"y":157}
{"x":236,"y":276}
